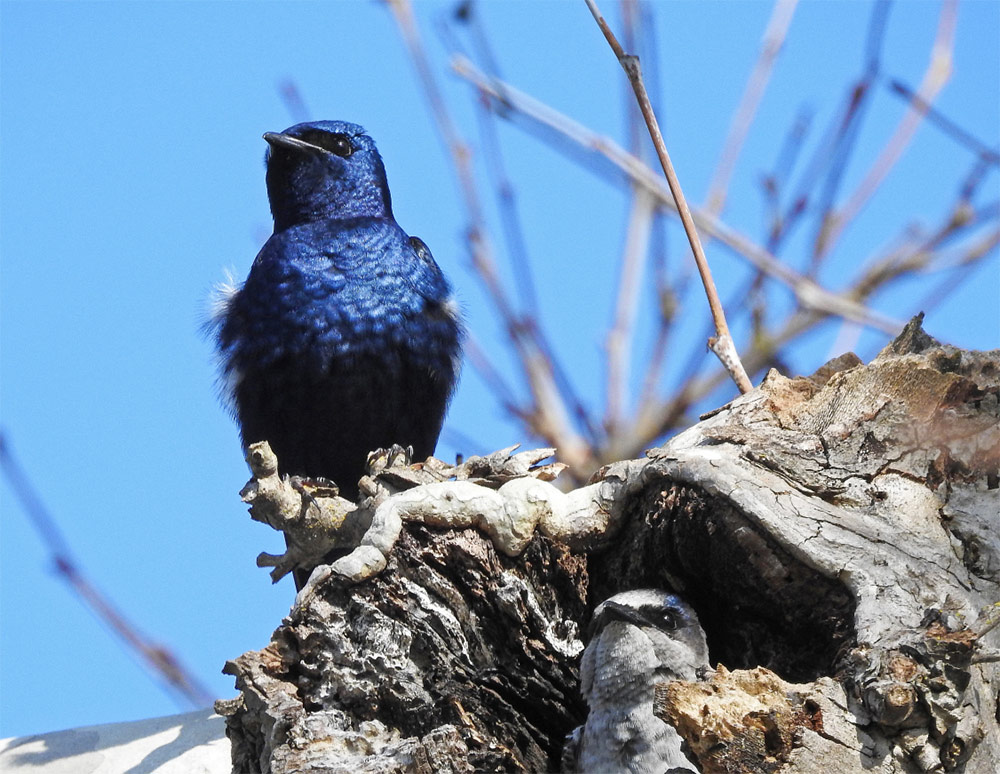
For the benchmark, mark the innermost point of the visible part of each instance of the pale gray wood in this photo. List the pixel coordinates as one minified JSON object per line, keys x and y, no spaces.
{"x":841,"y":531}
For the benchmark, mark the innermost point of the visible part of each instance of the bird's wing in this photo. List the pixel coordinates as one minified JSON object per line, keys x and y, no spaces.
{"x":570,"y":759}
{"x":428,"y":279}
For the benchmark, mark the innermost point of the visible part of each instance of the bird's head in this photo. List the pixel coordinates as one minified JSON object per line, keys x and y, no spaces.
{"x":324,"y":169}
{"x":670,"y":625}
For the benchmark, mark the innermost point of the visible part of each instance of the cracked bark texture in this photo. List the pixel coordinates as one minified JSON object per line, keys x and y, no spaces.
{"x":838,"y":536}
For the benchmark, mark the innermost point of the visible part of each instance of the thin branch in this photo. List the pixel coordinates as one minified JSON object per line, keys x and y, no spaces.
{"x":655,"y":420}
{"x":990,"y":156}
{"x":962,"y":271}
{"x":833,"y":152}
{"x":534,"y":357}
{"x":667,"y":297}
{"x":838,"y":161}
{"x":509,"y":214}
{"x":774,"y":38}
{"x":527,"y":325}
{"x":972,"y":181}
{"x":631,"y":23}
{"x":644,"y":218}
{"x":917,"y":255}
{"x":496,"y":168}
{"x":159,"y":662}
{"x":937,"y":75}
{"x":658,"y":352}
{"x":806,"y":291}
{"x":773,"y":184}
{"x":618,"y":344}
{"x":493,"y":378}
{"x":294,"y":102}
{"x":722,"y":345}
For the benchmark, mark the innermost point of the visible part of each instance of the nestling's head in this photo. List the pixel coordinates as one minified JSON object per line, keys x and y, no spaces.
{"x":668,"y":623}
{"x":324,"y":169}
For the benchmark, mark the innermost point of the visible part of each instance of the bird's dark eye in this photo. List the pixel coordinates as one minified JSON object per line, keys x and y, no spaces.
{"x":338,"y":144}
{"x":668,"y":621}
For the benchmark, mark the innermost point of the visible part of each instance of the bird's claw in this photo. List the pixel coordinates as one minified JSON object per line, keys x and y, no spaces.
{"x":312,"y":487}
{"x":383,"y":459}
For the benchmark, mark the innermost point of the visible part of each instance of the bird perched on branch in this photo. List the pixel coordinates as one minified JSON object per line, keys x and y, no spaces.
{"x":345,"y":337}
{"x":637,"y":639}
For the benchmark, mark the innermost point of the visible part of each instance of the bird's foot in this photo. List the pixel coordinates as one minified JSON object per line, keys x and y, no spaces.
{"x":312,"y":487}
{"x":314,"y":520}
{"x":383,"y":459}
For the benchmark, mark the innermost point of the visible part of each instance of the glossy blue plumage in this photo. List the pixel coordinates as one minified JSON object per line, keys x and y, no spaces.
{"x":344,"y":337}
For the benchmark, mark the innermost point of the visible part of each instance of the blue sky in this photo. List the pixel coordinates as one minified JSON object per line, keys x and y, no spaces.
{"x":131,"y":177}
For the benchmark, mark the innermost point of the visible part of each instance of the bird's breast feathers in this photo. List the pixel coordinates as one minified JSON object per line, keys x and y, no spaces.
{"x":347,"y":289}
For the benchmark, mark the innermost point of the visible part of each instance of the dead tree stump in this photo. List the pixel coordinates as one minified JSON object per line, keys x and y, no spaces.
{"x":838,"y":535}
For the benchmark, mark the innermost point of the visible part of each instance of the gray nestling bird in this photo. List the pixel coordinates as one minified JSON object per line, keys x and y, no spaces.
{"x":345,"y":337}
{"x":637,"y":639}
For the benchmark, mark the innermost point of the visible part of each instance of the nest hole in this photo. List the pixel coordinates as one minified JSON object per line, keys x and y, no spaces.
{"x":758,"y":604}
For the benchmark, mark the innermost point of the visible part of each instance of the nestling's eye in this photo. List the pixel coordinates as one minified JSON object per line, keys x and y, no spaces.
{"x":668,"y":621}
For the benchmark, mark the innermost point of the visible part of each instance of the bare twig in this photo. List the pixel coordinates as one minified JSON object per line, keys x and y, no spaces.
{"x":774,"y":38}
{"x":294,"y":102}
{"x":506,"y":196}
{"x":833,"y":153}
{"x":619,"y":341}
{"x":962,"y":271}
{"x":806,"y":291}
{"x":631,"y":23}
{"x":654,"y":416}
{"x":528,"y":324}
{"x":535,"y":357}
{"x":918,"y":254}
{"x":722,"y":345}
{"x":937,"y":75}
{"x":159,"y":662}
{"x":975,"y":178}
{"x":509,"y":215}
{"x":493,"y":378}
{"x":836,"y":159}
{"x":774,"y":183}
{"x":658,"y":353}
{"x":773,"y":186}
{"x":990,"y":156}
{"x":657,"y":419}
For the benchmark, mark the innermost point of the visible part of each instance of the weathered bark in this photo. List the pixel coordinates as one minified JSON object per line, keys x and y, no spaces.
{"x":839,"y":531}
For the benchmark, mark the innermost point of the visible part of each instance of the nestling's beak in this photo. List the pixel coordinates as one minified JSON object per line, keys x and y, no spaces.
{"x":612,"y":611}
{"x":277,"y":140}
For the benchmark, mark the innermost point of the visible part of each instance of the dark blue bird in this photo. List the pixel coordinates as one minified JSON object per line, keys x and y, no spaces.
{"x":344,"y":337}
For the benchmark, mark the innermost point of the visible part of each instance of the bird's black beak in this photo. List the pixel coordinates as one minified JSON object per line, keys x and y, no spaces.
{"x":278,"y":140}
{"x":612,"y":611}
